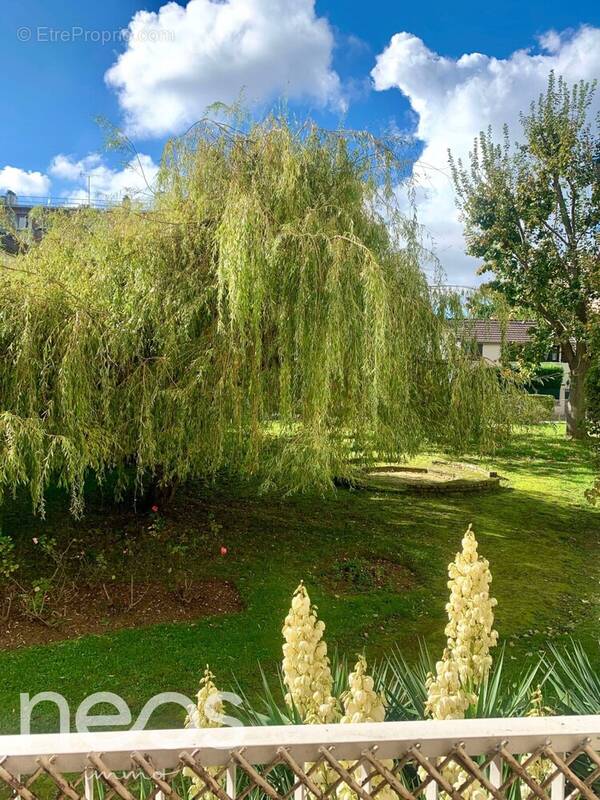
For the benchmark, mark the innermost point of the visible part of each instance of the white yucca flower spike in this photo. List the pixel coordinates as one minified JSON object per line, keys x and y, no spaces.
{"x":470,"y":628}
{"x":447,"y":699}
{"x":457,"y":777}
{"x":446,"y":696}
{"x":542,"y":768}
{"x":466,"y":660}
{"x":306,"y":670}
{"x":207,"y":713}
{"x":470,"y":635}
{"x":209,"y":705}
{"x":361,"y":702}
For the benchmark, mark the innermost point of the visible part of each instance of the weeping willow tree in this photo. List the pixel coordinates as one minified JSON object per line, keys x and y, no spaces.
{"x":266,"y":316}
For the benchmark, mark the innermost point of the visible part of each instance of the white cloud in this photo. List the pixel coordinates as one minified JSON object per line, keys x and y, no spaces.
{"x":106,"y":183}
{"x":456,"y":98}
{"x":550,"y":41}
{"x":22,"y":182}
{"x":67,"y":169}
{"x":180,"y":60}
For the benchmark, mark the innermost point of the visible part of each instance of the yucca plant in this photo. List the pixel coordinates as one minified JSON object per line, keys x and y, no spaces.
{"x":500,"y":694}
{"x":466,"y":682}
{"x":575,"y":686}
{"x":574,"y":681}
{"x":404,"y":684}
{"x":504,"y":695}
{"x":270,"y":707}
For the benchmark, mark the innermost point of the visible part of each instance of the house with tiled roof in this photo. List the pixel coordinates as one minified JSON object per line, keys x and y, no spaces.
{"x":489,"y":337}
{"x":491,"y":334}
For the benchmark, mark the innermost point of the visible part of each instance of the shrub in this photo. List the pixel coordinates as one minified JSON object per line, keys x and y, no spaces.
{"x":547,"y":380}
{"x":545,"y":404}
{"x":593,"y":394}
{"x":8,"y":562}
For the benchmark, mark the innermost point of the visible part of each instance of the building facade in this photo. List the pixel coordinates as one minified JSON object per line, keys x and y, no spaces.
{"x":19,"y":214}
{"x":490,"y":336}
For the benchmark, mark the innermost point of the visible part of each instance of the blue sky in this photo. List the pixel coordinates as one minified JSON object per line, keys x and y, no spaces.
{"x":335,"y":59}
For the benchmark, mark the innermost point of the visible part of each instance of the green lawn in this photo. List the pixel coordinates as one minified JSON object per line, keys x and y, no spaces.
{"x":539,"y":534}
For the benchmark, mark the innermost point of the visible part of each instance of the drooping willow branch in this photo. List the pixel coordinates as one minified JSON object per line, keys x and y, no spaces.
{"x":273,"y":320}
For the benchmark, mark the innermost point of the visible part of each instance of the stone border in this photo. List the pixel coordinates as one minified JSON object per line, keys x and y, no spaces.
{"x":491,"y":481}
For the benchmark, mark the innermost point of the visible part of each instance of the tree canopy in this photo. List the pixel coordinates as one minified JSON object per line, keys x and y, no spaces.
{"x":531,"y":213}
{"x":267,"y":315}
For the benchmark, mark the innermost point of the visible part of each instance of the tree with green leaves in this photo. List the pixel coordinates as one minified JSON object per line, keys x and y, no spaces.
{"x":531,"y":213}
{"x":593,"y":393}
{"x":266,"y":316}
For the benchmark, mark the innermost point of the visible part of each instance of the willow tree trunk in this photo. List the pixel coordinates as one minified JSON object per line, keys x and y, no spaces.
{"x":160,"y":493}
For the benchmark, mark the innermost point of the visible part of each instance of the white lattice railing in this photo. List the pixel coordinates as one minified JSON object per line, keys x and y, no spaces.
{"x":548,"y":757}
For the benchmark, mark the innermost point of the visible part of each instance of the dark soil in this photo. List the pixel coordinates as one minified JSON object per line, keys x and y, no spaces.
{"x":113,"y":606}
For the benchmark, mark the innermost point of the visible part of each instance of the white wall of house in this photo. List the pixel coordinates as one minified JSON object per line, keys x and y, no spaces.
{"x":491,"y":352}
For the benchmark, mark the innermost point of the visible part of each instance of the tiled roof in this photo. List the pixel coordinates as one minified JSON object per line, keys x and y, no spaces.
{"x":490,"y":330}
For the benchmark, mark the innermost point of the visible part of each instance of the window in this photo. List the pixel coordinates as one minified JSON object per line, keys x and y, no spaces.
{"x":22,"y":222}
{"x":554,"y":354}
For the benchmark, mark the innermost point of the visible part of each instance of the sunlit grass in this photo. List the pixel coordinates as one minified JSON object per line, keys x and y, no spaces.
{"x":539,"y":534}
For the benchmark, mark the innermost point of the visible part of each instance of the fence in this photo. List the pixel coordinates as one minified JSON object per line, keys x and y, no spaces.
{"x":551,"y":758}
{"x":74,"y":201}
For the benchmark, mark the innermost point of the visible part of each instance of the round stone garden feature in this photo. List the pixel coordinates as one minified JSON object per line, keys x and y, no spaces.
{"x":441,"y":477}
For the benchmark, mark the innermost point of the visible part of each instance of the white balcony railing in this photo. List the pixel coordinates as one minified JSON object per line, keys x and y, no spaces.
{"x":548,"y":757}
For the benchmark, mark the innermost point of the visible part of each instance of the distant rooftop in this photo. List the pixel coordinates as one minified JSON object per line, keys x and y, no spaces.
{"x":489,"y":331}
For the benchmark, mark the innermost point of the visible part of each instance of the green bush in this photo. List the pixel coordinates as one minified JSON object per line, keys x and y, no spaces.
{"x":8,"y":561}
{"x":532,"y":409}
{"x":546,"y":405}
{"x":547,"y":380}
{"x":593,"y":393}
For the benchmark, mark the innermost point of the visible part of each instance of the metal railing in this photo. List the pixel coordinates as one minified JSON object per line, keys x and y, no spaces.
{"x":24,"y":202}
